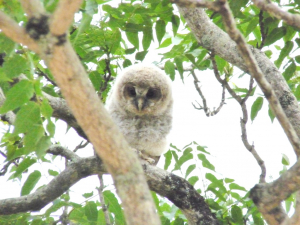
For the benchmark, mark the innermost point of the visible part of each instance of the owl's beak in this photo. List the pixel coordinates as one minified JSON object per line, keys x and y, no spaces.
{"x":139,"y":103}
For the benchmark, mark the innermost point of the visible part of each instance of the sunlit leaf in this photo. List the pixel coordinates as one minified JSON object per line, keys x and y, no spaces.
{"x":17,"y":96}
{"x":170,"y":69}
{"x":275,"y":35}
{"x":237,"y":214}
{"x":91,"y":211}
{"x":256,"y":107}
{"x":30,"y":182}
{"x":160,"y":30}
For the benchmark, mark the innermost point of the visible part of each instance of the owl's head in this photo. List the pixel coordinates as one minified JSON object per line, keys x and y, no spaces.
{"x":144,"y":90}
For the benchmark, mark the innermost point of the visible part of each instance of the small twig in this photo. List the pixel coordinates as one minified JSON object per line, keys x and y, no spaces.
{"x":80,"y":146}
{"x":103,"y":205}
{"x":3,"y":154}
{"x":107,"y":75}
{"x":244,"y":120}
{"x":41,"y":73}
{"x":262,"y":29}
{"x":5,"y":168}
{"x":207,"y":111}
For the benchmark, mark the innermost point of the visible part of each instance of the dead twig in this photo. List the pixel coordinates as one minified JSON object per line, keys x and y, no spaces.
{"x":207,"y":110}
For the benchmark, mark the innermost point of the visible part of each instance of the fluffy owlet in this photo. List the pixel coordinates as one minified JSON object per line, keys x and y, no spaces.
{"x":141,"y":105}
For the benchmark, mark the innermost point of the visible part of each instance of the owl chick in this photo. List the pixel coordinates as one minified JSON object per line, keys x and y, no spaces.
{"x":141,"y":105}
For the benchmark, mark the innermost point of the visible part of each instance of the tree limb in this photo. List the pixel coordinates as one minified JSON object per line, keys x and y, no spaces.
{"x":62,"y":18}
{"x":215,"y":40}
{"x":166,"y":184}
{"x":109,"y":143}
{"x":16,"y":33}
{"x":277,"y":12}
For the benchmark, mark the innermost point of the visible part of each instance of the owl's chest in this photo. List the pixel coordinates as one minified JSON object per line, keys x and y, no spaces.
{"x":137,"y":128}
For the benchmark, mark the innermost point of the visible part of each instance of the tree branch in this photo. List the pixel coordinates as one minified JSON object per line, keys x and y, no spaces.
{"x":60,"y":184}
{"x":168,"y":185}
{"x":277,"y":12}
{"x":62,"y":18}
{"x":63,"y":112}
{"x":16,"y":33}
{"x":59,"y":150}
{"x":215,"y":40}
{"x":109,"y":143}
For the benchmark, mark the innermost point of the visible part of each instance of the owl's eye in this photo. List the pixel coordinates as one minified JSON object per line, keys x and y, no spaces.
{"x":131,"y":91}
{"x":153,"y":93}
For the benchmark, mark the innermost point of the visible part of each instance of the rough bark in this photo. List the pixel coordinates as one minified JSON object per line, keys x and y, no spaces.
{"x":52,"y":45}
{"x":216,"y":40}
{"x":166,"y":184}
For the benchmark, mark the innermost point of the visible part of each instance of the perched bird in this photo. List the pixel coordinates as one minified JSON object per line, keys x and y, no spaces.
{"x":141,"y":105}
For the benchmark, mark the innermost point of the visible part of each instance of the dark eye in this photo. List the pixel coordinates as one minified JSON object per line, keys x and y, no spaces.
{"x":131,"y":91}
{"x":153,"y":93}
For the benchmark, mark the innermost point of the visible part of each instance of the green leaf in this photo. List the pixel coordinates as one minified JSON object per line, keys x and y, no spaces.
{"x":6,"y":44}
{"x":160,"y":30}
{"x":234,"y":186}
{"x":32,"y":136}
{"x":257,"y":219}
{"x":91,"y":211}
{"x":168,"y":159}
{"x":27,"y":118}
{"x":205,"y":162}
{"x":297,"y":59}
{"x":140,"y":55}
{"x":114,"y":207}
{"x":77,"y":215}
{"x":27,"y":162}
{"x":170,"y":69}
{"x":175,"y":24}
{"x":133,"y":38}
{"x":189,"y":170}
{"x":297,"y":92}
{"x":221,"y":63}
{"x":147,"y":38}
{"x":17,"y":96}
{"x":126,"y":63}
{"x":275,"y":35}
{"x":166,"y":43}
{"x":42,"y":146}
{"x":53,"y":172}
{"x":178,"y":221}
{"x":256,"y":107}
{"x":228,"y":180}
{"x":271,"y":114}
{"x":186,"y":156}
{"x":15,"y":65}
{"x":284,"y":53}
{"x":215,"y":182}
{"x":30,"y":182}
{"x":289,"y":71}
{"x":57,"y":204}
{"x":251,"y":26}
{"x":285,"y":160}
{"x":237,"y":214}
{"x":202,"y":149}
{"x":178,"y":62}
{"x":46,"y":109}
{"x":129,"y":51}
{"x":192,"y":180}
